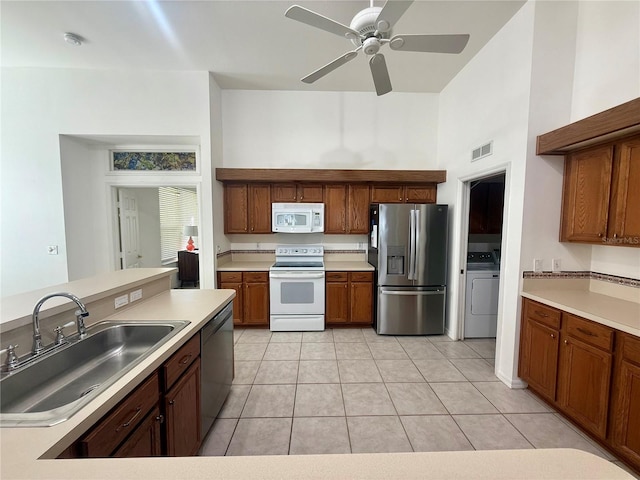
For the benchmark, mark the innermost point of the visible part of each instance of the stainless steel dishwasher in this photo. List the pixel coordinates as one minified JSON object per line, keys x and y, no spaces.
{"x":216,"y":356}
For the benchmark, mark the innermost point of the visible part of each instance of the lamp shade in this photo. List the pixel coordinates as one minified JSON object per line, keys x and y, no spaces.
{"x":190,"y":230}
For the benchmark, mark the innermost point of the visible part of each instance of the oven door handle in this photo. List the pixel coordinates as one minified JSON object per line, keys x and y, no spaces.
{"x":296,"y":276}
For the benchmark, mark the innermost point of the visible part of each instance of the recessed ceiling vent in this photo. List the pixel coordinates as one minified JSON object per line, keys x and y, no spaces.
{"x":481,"y":152}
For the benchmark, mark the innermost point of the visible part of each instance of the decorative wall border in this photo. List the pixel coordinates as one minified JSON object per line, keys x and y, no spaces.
{"x":272,"y":252}
{"x":628,"y":282}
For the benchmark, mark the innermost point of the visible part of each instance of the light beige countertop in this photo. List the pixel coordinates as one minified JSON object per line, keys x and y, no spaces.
{"x":245,"y":266}
{"x":611,"y":305}
{"x":29,"y":453}
{"x":340,"y":266}
{"x":263,"y":266}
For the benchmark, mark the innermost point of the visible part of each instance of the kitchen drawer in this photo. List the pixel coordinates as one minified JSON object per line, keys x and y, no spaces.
{"x":541,"y":313}
{"x":228,"y":277}
{"x":361,"y":276}
{"x":336,"y":276}
{"x":180,"y":361}
{"x":630,"y":347}
{"x":116,"y":426}
{"x":589,"y":332}
{"x":252,"y":277}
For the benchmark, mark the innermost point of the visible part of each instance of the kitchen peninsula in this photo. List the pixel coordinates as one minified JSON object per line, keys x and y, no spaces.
{"x":31,"y":452}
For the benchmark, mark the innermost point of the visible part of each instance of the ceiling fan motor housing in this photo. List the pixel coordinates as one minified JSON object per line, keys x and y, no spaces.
{"x":365,"y":23}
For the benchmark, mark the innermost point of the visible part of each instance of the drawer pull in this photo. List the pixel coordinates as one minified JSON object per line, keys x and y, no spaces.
{"x":184,"y":360}
{"x":131,"y":420}
{"x":542,"y":314}
{"x":586,"y":332}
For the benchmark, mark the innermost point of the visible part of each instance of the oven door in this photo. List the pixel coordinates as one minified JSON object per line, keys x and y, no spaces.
{"x":296,"y":292}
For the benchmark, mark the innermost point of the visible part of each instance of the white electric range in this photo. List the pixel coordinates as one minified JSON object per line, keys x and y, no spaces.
{"x":296,"y":285}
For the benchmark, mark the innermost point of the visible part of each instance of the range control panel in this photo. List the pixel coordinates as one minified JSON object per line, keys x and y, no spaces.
{"x":299,"y":250}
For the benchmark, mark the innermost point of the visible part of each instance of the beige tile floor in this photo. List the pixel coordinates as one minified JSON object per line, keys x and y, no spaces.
{"x":352,"y":391}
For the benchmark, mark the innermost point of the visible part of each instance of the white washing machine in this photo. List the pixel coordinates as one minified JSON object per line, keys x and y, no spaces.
{"x":481,"y":303}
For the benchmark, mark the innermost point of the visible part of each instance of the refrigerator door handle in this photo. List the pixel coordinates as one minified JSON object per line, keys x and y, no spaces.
{"x":412,"y":245}
{"x":413,"y":294}
{"x":416,"y":259}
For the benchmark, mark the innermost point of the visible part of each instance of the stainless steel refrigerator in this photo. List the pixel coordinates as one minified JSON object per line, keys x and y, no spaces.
{"x":408,"y":247}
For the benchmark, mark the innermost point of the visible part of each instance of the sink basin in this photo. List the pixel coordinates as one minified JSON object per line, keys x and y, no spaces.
{"x":52,"y":388}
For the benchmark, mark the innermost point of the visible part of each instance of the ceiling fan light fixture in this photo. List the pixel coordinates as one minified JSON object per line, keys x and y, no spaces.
{"x":396,"y":43}
{"x":73,"y":39}
{"x":371,"y":46}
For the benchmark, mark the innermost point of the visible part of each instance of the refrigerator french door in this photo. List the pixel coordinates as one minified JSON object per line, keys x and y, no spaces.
{"x":408,"y":247}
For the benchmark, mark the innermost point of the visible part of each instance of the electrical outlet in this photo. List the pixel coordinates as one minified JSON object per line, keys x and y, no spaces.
{"x":556,"y":265}
{"x":135,"y":295}
{"x":52,"y":249}
{"x":537,"y":264}
{"x":122,"y":300}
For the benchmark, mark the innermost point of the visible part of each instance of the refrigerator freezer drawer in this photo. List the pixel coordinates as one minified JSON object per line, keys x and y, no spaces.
{"x":411,"y":311}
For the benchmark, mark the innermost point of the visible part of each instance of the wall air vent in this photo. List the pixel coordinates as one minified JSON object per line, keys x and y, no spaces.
{"x":481,"y":152}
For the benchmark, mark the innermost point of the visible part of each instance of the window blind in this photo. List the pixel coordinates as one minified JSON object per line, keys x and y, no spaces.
{"x":178,"y":207}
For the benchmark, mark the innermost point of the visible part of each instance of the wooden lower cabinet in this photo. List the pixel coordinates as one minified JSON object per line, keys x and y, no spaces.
{"x":251,"y":305}
{"x":539,"y":343}
{"x":182,"y":407}
{"x":625,"y":409}
{"x":146,"y":440}
{"x":348,"y":298}
{"x":585,"y":375}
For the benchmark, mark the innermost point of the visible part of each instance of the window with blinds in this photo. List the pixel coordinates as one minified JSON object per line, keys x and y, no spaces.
{"x":178,"y":207}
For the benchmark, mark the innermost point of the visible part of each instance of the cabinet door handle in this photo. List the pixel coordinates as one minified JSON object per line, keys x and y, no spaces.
{"x":160,"y":418}
{"x":553,"y":335}
{"x":615,"y":235}
{"x":600,"y":235}
{"x":566,"y":342}
{"x":131,"y":420}
{"x":586,"y":332}
{"x":184,"y":360}
{"x":171,"y":402}
{"x":542,"y":314}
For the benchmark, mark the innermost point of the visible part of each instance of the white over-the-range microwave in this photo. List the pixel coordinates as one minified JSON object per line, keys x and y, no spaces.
{"x":297,"y":217}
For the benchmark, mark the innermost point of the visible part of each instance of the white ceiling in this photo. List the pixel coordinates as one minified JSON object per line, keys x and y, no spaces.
{"x":246,"y":44}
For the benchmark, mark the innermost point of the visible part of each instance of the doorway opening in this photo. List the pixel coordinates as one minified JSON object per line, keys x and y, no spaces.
{"x":154,"y":225}
{"x":482,"y":269}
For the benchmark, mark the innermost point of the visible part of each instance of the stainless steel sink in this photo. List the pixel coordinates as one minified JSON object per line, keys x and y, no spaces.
{"x":50,"y":389}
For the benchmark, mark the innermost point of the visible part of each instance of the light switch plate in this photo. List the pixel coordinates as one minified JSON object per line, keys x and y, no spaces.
{"x":556,"y":265}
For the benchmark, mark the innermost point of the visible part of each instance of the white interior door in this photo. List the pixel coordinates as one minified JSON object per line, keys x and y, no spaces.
{"x":129,"y":228}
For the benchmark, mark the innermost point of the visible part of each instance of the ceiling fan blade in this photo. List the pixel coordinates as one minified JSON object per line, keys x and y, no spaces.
{"x":314,"y":19}
{"x":380,"y":74}
{"x":391,"y":13}
{"x":429,"y":43}
{"x":331,"y":66}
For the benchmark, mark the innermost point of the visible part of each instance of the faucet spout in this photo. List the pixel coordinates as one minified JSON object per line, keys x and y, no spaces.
{"x":80,"y":316}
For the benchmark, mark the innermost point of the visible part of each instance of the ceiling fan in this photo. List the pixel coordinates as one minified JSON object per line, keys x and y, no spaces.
{"x":370,"y":30}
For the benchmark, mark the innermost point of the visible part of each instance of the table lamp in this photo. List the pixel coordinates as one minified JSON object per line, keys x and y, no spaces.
{"x":190,"y":231}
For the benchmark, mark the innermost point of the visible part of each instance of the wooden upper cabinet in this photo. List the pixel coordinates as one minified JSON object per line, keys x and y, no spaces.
{"x":601,"y":200}
{"x":296,"y":192}
{"x":259,"y":208}
{"x":335,"y":209}
{"x":358,"y":209}
{"x":587,"y":185}
{"x":624,"y":209}
{"x":236,"y":207}
{"x":387,"y":194}
{"x":403,"y":193}
{"x":485,"y":208}
{"x":346,"y":209}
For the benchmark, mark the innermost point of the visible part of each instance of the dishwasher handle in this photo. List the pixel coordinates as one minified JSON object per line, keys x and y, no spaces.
{"x":217,"y":322}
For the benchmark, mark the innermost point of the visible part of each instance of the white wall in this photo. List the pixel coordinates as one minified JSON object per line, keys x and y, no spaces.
{"x":40,"y":104}
{"x":607,"y":74}
{"x":489,"y":100}
{"x":342,"y":130}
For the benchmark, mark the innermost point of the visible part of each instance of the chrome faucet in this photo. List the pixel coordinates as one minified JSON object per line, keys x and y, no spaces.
{"x":80,"y":316}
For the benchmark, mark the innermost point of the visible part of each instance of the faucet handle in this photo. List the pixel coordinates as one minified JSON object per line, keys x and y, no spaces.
{"x":12,"y":360}
{"x":60,"y":338}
